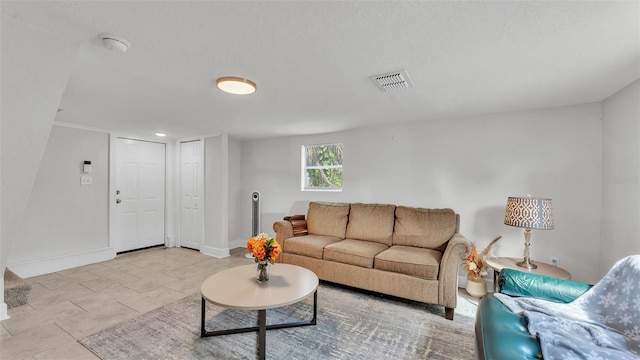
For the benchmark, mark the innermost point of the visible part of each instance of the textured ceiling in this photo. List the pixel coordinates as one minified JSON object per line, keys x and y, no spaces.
{"x":312,"y":61}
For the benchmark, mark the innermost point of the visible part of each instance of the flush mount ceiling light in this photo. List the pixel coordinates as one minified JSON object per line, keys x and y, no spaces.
{"x":115,"y":42}
{"x":159,"y":134}
{"x":236,"y":85}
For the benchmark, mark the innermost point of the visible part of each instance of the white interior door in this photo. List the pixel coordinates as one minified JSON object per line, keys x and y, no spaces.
{"x":140,"y":193}
{"x":191,"y":214}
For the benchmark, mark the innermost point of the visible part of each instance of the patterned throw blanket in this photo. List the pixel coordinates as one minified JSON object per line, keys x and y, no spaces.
{"x":603,"y":323}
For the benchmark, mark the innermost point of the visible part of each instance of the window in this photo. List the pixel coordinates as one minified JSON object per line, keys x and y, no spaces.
{"x":322,"y":167}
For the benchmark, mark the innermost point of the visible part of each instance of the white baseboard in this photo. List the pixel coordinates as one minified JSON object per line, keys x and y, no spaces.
{"x":171,"y":241}
{"x":237,"y":243}
{"x":31,"y":268}
{"x":4,"y":315}
{"x":215,"y":252}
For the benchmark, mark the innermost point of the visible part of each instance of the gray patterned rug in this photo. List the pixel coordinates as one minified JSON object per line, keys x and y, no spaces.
{"x":351,"y":325}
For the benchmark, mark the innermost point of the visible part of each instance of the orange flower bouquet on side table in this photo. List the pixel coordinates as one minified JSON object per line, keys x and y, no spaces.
{"x":476,"y":268}
{"x":475,"y":265}
{"x":265,"y":250}
{"x":474,"y":262}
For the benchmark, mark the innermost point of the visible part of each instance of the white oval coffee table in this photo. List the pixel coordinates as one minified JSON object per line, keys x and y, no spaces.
{"x":237,"y":288}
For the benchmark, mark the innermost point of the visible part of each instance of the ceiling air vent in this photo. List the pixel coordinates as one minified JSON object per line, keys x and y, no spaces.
{"x":392,"y":81}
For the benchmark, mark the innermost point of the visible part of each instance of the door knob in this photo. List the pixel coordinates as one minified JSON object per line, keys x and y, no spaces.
{"x":118,"y":201}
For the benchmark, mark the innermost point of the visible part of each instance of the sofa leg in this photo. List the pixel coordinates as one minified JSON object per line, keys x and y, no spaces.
{"x":448,"y":313}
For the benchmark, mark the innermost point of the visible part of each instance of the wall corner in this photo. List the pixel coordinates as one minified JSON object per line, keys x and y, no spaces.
{"x":4,"y":315}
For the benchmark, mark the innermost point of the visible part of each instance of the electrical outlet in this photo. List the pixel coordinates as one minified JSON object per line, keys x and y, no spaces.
{"x":554,"y":260}
{"x":86,"y":180}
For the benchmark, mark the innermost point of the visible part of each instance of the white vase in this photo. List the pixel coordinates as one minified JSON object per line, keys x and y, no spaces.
{"x":477,"y":288}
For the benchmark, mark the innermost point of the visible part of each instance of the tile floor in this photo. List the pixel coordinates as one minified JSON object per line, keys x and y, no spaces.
{"x":70,"y":304}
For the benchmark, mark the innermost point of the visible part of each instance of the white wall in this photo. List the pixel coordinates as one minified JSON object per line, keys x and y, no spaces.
{"x":621,"y":176}
{"x":64,"y":219}
{"x":36,"y":66}
{"x":216,"y":195}
{"x":172,"y":194}
{"x":237,"y":198}
{"x":3,"y":257}
{"x":469,"y":164}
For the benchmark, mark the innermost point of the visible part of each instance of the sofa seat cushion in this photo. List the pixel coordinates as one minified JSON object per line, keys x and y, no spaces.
{"x":354,"y":252}
{"x":371,"y":222}
{"x":328,"y":219}
{"x":408,"y":260}
{"x":425,"y":228}
{"x":309,"y":245}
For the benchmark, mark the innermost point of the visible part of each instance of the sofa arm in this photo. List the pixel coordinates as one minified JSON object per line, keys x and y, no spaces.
{"x":284,"y":231}
{"x":299,"y":224}
{"x":290,"y":226}
{"x":449,"y":266}
{"x":453,"y":253}
{"x":518,"y":283}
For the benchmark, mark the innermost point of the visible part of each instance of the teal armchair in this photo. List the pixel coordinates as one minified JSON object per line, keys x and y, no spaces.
{"x":501,"y":334}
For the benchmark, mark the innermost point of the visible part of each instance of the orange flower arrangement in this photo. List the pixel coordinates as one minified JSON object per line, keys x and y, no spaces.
{"x":263,"y":247}
{"x":265,"y":250}
{"x":474,"y":262}
{"x":475,"y":265}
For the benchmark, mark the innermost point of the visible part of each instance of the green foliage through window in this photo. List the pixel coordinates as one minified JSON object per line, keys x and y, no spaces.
{"x":322,"y":167}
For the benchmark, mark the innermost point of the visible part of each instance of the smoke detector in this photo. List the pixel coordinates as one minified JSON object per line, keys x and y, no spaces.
{"x":115,"y":42}
{"x":392,"y":81}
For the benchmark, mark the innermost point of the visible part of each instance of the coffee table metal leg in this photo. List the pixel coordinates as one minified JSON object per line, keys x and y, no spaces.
{"x":261,"y":328}
{"x":262,"y":334}
{"x":315,"y":308}
{"x":203,"y":332}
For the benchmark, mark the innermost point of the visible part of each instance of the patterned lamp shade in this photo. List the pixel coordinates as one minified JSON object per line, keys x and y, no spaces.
{"x":529,"y":212}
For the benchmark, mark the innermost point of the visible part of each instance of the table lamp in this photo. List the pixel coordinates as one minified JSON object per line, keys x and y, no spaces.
{"x":529,"y":213}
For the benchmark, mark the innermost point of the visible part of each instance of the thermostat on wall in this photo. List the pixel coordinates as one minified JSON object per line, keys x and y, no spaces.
{"x":86,"y":167}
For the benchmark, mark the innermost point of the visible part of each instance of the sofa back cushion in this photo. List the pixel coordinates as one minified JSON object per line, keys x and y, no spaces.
{"x":425,"y":228}
{"x":371,"y":222}
{"x":328,"y":219}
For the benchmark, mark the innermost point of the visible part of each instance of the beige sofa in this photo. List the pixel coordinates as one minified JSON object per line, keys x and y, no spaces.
{"x":412,"y":253}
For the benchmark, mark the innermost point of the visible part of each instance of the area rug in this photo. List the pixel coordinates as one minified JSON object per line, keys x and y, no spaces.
{"x":351,"y":325}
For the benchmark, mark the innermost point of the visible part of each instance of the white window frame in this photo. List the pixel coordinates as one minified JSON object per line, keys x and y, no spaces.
{"x":305,"y":167}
